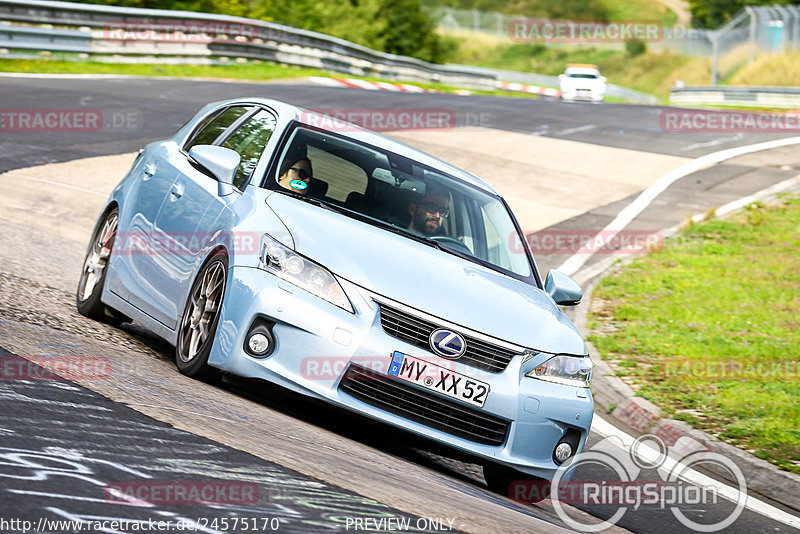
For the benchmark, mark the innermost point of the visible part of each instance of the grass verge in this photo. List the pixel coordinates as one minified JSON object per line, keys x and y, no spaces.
{"x":237,"y":71}
{"x":649,"y":72}
{"x":708,"y":328}
{"x":251,"y":71}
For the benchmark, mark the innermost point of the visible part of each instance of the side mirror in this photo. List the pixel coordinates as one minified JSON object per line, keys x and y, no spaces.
{"x":562,"y":289}
{"x":561,"y":77}
{"x":220,"y":162}
{"x":603,"y":79}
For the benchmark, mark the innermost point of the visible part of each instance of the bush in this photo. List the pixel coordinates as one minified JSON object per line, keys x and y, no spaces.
{"x":635,"y":48}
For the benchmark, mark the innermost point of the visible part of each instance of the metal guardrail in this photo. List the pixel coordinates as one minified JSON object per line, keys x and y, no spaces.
{"x":29,"y":38}
{"x":110,"y":33}
{"x":258,"y":40}
{"x":545,"y":80}
{"x":726,"y":95}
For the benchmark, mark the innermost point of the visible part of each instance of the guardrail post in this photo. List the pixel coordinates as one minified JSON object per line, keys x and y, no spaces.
{"x":753,"y":23}
{"x":714,"y":38}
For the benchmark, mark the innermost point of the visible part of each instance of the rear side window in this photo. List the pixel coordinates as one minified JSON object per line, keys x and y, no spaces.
{"x":211,"y":129}
{"x":249,"y":141}
{"x":342,"y":176}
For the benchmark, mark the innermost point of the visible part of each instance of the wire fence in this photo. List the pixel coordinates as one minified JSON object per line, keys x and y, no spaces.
{"x":753,"y":31}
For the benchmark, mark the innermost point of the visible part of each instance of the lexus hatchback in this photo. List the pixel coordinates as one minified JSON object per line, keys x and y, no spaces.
{"x":271,"y":242}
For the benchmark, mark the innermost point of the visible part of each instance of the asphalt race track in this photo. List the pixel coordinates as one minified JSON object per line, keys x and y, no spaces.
{"x":137,"y":111}
{"x":297,"y":465}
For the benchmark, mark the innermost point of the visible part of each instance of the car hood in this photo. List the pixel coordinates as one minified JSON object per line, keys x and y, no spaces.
{"x":428,"y":279}
{"x":583,"y":83}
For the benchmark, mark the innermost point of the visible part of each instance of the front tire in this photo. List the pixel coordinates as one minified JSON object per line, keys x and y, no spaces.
{"x":95,"y":267}
{"x":200,"y":317}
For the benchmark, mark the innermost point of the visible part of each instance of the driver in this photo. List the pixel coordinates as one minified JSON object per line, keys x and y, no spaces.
{"x":428,"y":214}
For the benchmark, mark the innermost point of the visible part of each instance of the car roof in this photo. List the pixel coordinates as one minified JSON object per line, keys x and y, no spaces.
{"x":357,"y":133}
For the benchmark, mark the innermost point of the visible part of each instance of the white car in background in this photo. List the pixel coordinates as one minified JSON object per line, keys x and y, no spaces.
{"x":582,"y":82}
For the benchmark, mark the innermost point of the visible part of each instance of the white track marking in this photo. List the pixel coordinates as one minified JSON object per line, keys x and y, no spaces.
{"x":577,"y":129}
{"x":73,"y":187}
{"x":330,"y":82}
{"x":606,"y":429}
{"x":715,"y":142}
{"x":646,"y":197}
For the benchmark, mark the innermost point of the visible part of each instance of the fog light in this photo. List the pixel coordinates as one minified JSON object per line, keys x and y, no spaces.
{"x":259,"y":344}
{"x":563,"y":452}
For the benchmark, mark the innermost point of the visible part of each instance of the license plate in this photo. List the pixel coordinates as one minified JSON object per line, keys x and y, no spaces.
{"x":439,"y":379}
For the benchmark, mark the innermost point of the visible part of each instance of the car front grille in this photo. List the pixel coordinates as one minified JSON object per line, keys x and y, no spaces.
{"x":416,"y":331}
{"x":418,"y":405}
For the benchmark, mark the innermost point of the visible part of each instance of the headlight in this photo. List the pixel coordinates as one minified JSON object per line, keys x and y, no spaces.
{"x":567,"y":370}
{"x":298,"y":270}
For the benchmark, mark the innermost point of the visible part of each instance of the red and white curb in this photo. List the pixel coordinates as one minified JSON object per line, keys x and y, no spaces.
{"x":369,"y":86}
{"x":535,"y":89}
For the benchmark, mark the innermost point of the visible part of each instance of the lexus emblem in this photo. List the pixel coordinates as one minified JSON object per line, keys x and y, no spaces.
{"x":447,"y":344}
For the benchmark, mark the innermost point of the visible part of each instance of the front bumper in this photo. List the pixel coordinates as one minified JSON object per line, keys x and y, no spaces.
{"x":316,"y":343}
{"x":589,"y":95}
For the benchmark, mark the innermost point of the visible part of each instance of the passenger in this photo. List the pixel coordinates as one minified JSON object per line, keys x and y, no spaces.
{"x":428,"y":215}
{"x":296,"y":176}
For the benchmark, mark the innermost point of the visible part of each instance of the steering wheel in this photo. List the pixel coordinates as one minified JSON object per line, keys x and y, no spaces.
{"x":452,"y":242}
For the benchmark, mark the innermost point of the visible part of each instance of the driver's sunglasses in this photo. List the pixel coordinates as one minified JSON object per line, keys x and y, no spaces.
{"x":301,"y":173}
{"x":433,"y":208}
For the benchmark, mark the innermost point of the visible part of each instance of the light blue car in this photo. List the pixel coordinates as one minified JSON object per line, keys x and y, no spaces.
{"x":271,"y":242}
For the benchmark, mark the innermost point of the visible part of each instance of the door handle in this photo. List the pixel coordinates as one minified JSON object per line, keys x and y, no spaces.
{"x":150,"y":169}
{"x":176,"y":190}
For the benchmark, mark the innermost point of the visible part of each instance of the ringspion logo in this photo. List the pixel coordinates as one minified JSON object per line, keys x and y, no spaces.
{"x":622,"y":490}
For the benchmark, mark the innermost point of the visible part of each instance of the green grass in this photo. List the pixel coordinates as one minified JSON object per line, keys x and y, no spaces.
{"x":649,"y":72}
{"x":640,"y":10}
{"x":618,"y":10}
{"x":238,"y":71}
{"x":726,"y":293}
{"x":251,"y":71}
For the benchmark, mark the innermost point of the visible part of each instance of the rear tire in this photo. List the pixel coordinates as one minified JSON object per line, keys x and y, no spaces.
{"x":200,"y":317}
{"x":514,"y":484}
{"x":95,"y":267}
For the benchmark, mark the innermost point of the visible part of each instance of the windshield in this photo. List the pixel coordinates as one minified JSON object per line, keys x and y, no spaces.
{"x":582,"y":75}
{"x":402,"y":195}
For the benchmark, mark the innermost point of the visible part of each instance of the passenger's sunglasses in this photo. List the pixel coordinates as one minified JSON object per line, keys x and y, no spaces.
{"x":301,"y":173}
